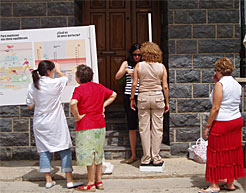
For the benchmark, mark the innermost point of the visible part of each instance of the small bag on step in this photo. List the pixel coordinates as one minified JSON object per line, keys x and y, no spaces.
{"x":201,"y":151}
{"x":198,"y":152}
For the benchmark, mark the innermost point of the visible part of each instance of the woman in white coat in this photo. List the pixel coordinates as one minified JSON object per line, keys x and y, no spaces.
{"x":49,"y":122}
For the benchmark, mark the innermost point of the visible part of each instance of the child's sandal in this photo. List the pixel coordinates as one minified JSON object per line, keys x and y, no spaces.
{"x":87,"y":188}
{"x":99,"y":186}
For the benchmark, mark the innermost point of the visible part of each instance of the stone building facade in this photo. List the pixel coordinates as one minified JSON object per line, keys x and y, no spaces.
{"x":199,"y":32}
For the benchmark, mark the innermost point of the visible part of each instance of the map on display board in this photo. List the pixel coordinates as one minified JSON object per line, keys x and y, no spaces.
{"x":22,"y":50}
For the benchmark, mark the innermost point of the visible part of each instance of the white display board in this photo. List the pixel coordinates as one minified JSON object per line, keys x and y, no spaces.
{"x":22,"y":50}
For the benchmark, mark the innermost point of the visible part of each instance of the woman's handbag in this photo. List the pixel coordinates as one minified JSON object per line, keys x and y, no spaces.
{"x":198,"y":152}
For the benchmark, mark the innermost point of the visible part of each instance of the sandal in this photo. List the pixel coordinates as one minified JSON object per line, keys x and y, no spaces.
{"x":130,"y":160}
{"x":209,"y":190}
{"x":87,"y":188}
{"x":225,"y":187}
{"x":99,"y":186}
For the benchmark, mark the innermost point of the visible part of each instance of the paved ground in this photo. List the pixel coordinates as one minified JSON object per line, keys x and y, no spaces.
{"x":179,"y":176}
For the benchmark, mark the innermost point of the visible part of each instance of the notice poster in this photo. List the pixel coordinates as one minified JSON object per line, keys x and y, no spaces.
{"x":22,"y":50}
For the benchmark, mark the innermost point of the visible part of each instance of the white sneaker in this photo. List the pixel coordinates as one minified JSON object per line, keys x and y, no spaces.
{"x":50,"y":184}
{"x":74,"y":184}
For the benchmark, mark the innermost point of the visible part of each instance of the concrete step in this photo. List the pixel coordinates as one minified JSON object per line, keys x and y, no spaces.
{"x":121,"y":151}
{"x":120,"y":137}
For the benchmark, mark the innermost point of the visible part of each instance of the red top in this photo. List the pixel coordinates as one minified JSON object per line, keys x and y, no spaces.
{"x":90,"y":97}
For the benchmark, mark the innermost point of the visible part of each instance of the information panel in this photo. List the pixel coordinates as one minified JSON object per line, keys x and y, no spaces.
{"x":22,"y":50}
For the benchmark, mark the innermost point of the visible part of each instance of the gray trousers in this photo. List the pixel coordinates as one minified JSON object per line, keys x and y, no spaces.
{"x":150,"y":114}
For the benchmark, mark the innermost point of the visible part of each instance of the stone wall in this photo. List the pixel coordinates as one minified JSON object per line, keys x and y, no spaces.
{"x":16,"y":134}
{"x":199,"y":33}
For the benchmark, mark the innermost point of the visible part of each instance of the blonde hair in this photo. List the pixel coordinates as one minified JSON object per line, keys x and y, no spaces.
{"x":225,"y":66}
{"x":151,"y":52}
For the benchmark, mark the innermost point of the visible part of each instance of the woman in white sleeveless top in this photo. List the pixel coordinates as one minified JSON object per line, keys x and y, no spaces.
{"x":224,"y":125}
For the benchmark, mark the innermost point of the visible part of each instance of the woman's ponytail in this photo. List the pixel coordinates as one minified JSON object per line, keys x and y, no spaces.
{"x":35,"y":78}
{"x":43,"y":67}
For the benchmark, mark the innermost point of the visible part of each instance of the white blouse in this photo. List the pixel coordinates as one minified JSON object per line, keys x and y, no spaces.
{"x":229,"y":108}
{"x":49,"y":122}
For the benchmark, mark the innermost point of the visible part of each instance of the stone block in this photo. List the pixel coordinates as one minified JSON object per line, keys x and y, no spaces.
{"x":25,"y":112}
{"x":171,"y":76}
{"x":225,"y":31}
{"x":118,"y":126}
{"x":5,"y":154}
{"x":25,"y":153}
{"x":187,"y":76}
{"x":29,"y":9}
{"x":244,"y":118}
{"x":206,"y":60}
{"x":171,"y":46}
{"x":11,"y":1}
{"x":237,"y":31}
{"x":193,"y":105}
{"x":118,"y":155}
{"x":5,"y":9}
{"x":179,"y":148}
{"x":21,"y":125}
{"x":115,"y":141}
{"x":236,"y":4}
{"x":14,"y":139}
{"x":189,"y":16}
{"x":171,"y":134}
{"x":32,"y":138}
{"x":172,"y":105}
{"x":186,"y":46}
{"x":179,"y":31}
{"x":5,"y":124}
{"x":182,"y":4}
{"x":9,"y":24}
{"x":66,"y":109}
{"x":107,"y":155}
{"x":184,"y":120}
{"x":204,"y":118}
{"x":200,"y":90}
{"x":71,"y":21}
{"x":180,"y":61}
{"x":170,"y":17}
{"x":207,"y":75}
{"x":219,"y":46}
{"x":180,"y":90}
{"x":223,"y":16}
{"x":117,"y":114}
{"x":48,"y":22}
{"x":237,"y":61}
{"x":204,"y":31}
{"x":187,"y":134}
{"x":244,"y":104}
{"x":71,"y":124}
{"x":9,"y":111}
{"x":215,"y":4}
{"x":30,"y":23}
{"x":73,"y":137}
{"x":60,"y":8}
{"x":236,"y":72}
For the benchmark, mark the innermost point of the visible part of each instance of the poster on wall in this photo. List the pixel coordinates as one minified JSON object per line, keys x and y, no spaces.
{"x":22,"y":50}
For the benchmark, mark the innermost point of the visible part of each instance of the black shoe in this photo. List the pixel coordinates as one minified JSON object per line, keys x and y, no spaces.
{"x":149,"y":164}
{"x":158,"y":164}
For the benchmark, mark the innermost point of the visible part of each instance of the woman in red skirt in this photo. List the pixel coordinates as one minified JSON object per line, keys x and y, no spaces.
{"x":224,"y":125}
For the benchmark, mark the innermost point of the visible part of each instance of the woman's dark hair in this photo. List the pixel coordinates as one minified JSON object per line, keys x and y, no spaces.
{"x":43,"y":67}
{"x":130,"y":59}
{"x":84,"y":73}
